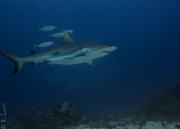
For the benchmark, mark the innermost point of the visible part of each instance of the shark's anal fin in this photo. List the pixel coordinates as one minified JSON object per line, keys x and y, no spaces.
{"x":89,"y":63}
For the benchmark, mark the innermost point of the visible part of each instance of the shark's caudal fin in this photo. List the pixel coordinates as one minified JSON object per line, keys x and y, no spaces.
{"x":18,"y":60}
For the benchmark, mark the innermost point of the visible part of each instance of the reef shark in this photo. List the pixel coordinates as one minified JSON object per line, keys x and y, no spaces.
{"x":68,"y":52}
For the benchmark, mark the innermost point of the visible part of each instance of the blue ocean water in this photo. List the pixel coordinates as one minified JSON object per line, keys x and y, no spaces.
{"x":146,"y":61}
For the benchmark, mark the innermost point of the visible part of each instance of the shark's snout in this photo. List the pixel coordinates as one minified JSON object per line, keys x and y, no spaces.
{"x":112,"y":48}
{"x":108,"y":49}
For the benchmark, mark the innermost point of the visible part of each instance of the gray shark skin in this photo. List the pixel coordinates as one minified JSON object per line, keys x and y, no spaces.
{"x":69,"y":52}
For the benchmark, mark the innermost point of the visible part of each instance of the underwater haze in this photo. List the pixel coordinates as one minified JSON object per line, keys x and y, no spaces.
{"x":146,"y":62}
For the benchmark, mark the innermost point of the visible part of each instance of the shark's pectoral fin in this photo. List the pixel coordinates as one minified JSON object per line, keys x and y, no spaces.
{"x":89,"y":63}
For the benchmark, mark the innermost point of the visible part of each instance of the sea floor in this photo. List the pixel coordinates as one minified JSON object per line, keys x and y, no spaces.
{"x":160,"y":111}
{"x":148,"y":125}
{"x":122,"y":123}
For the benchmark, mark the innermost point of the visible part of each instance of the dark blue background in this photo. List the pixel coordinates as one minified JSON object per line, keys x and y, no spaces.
{"x":146,"y":62}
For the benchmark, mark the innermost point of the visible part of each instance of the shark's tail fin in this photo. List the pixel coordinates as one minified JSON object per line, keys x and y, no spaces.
{"x":39,"y":30}
{"x":18,"y":60}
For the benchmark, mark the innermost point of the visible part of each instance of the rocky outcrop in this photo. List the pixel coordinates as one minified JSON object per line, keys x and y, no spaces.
{"x":161,"y":107}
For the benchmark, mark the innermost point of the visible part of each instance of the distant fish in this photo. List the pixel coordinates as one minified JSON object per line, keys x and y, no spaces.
{"x":47,"y":28}
{"x":45,"y":44}
{"x":61,"y":33}
{"x":57,"y":35}
{"x":67,"y":31}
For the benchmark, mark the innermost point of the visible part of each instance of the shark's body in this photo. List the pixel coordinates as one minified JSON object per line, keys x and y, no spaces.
{"x":68,"y":52}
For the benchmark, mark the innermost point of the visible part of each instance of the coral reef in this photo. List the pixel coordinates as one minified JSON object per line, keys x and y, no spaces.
{"x":158,"y":112}
{"x":61,"y":115}
{"x":161,"y":107}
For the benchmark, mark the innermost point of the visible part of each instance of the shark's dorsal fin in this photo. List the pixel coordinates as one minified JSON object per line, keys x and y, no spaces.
{"x":67,"y":38}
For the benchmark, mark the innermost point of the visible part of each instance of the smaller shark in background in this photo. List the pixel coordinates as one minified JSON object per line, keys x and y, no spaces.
{"x":69,"y":52}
